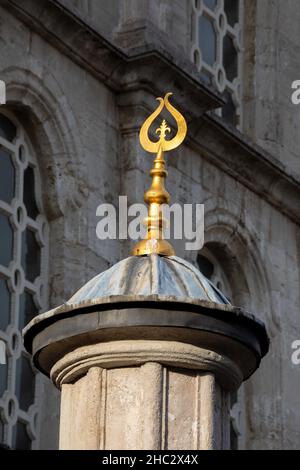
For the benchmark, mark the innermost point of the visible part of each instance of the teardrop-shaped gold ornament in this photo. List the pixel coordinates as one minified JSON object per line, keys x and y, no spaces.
{"x":165,"y":145}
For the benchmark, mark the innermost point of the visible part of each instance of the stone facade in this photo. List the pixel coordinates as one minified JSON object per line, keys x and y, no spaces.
{"x":82,"y":76}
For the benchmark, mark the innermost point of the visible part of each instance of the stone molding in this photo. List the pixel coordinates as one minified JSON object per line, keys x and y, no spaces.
{"x":116,"y":354}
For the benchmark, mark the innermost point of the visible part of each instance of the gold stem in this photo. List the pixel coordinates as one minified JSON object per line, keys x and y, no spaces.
{"x":154,"y":197}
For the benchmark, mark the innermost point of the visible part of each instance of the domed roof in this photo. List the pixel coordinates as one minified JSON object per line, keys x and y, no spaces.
{"x":147,"y":276}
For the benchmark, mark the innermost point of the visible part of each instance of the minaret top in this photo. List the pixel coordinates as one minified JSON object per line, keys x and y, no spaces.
{"x":157,"y":194}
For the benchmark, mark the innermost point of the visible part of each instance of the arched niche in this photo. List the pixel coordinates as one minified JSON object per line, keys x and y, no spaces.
{"x":43,"y":110}
{"x":232,"y":240}
{"x":234,"y":244}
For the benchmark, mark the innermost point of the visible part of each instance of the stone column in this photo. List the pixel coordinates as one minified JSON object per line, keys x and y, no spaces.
{"x":144,"y":395}
{"x":134,"y":377}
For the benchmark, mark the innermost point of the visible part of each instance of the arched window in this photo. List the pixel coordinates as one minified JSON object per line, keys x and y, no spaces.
{"x":211,"y":267}
{"x":23,"y":281}
{"x":216,"y":50}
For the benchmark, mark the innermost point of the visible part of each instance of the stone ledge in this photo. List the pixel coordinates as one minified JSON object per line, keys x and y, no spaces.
{"x":248,"y":163}
{"x":239,"y":337}
{"x":110,"y":64}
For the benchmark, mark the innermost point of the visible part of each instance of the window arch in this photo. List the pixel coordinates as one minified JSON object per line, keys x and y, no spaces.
{"x":216,"y":37}
{"x":209,"y":264}
{"x":23,"y":280}
{"x":211,"y":268}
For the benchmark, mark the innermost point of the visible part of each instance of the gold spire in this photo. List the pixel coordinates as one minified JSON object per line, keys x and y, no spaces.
{"x":157,"y":194}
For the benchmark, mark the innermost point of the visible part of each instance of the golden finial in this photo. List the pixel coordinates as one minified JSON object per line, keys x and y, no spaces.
{"x":157,"y":194}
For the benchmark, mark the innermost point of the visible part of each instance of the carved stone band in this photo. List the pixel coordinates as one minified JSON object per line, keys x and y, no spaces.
{"x":117,"y":354}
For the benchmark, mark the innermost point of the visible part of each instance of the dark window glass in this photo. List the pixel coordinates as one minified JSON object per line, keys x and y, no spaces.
{"x":207,"y":40}
{"x":206,"y":77}
{"x":31,"y":255}
{"x":3,"y":378}
{"x":230,"y":58}
{"x":7,"y":176}
{"x":21,"y":440}
{"x":4,"y":305}
{"x":228,"y":110}
{"x":22,"y":156}
{"x":28,"y":195}
{"x":205,"y":266}
{"x":25,"y":381}
{"x":211,"y":4}
{"x":196,"y":58}
{"x":231,"y":8}
{"x":7,"y":129}
{"x":27,"y":309}
{"x":6,"y":240}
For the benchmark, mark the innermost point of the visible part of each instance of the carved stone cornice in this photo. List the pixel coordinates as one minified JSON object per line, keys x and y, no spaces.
{"x":248,"y":163}
{"x":119,"y":69}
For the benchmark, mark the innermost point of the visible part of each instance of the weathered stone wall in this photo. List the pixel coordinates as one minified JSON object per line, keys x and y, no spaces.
{"x":273,"y":56}
{"x":73,"y":122}
{"x":101,"y":14}
{"x":87,"y":145}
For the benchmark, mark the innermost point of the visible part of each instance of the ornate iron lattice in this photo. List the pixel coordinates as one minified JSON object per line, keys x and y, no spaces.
{"x":216,"y":36}
{"x":23,"y":286}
